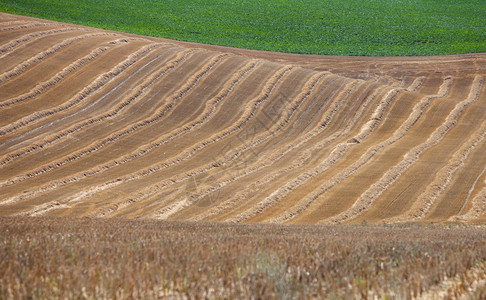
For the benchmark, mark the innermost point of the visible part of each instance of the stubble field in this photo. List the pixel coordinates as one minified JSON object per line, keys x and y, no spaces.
{"x":126,"y":259}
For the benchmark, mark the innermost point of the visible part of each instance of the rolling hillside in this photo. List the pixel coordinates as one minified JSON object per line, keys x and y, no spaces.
{"x":104,"y":124}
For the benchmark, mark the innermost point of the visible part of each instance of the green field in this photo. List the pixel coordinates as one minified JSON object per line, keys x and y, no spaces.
{"x":342,"y":27}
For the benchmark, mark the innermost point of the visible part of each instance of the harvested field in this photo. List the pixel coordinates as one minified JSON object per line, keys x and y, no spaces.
{"x":104,"y":124}
{"x":85,"y":258}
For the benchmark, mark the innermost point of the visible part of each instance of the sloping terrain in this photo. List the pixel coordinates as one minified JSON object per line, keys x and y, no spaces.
{"x":105,"y":124}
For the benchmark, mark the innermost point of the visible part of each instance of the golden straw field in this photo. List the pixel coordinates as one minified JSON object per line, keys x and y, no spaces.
{"x":103,"y":124}
{"x":125,"y":162}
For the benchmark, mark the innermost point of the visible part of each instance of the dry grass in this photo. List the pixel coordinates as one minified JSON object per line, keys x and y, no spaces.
{"x":115,"y":258}
{"x":105,"y":124}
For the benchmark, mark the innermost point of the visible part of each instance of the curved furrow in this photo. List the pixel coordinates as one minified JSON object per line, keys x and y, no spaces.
{"x":43,"y":209}
{"x":21,"y":67}
{"x":302,"y":159}
{"x":29,"y":25}
{"x":478,"y":207}
{"x":82,"y":95}
{"x":298,"y":180}
{"x":287,"y":150}
{"x":9,"y":46}
{"x":344,"y":89}
{"x":469,"y":194}
{"x":443,"y":178}
{"x":8,"y":23}
{"x":418,"y":109}
{"x":39,"y":88}
{"x":209,"y":110}
{"x":54,"y":138}
{"x":247,"y":115}
{"x":130,"y":129}
{"x":364,"y":202}
{"x":398,"y":198}
{"x":340,"y":150}
{"x":157,"y":168}
{"x":103,"y":124}
{"x":96,"y":103}
{"x":283,"y":121}
{"x":293,"y":148}
{"x":77,"y":97}
{"x":58,"y":77}
{"x":335,"y":154}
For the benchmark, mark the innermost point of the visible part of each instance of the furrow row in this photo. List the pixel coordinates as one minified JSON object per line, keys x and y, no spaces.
{"x":264,"y":162}
{"x":4,"y":49}
{"x":21,"y":67}
{"x":340,"y":149}
{"x":287,"y":188}
{"x":123,"y":132}
{"x":39,"y":88}
{"x":272,"y":132}
{"x":4,"y":22}
{"x":477,"y":209}
{"x":471,"y":189}
{"x":145,"y":149}
{"x":302,"y":159}
{"x":241,"y":195}
{"x":82,"y":95}
{"x":248,"y":114}
{"x":424,"y":202}
{"x":337,"y":153}
{"x":336,"y":102}
{"x":26,"y":26}
{"x":59,"y":136}
{"x":364,"y":202}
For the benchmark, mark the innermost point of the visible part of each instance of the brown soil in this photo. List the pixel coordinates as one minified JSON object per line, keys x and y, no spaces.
{"x":100,"y":123}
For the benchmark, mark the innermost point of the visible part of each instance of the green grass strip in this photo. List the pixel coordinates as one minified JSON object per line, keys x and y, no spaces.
{"x":339,"y":27}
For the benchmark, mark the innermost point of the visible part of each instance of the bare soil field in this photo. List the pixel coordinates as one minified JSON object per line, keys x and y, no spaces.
{"x":96,"y":123}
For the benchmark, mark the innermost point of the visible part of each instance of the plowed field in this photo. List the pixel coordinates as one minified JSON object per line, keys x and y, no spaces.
{"x":105,"y":124}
